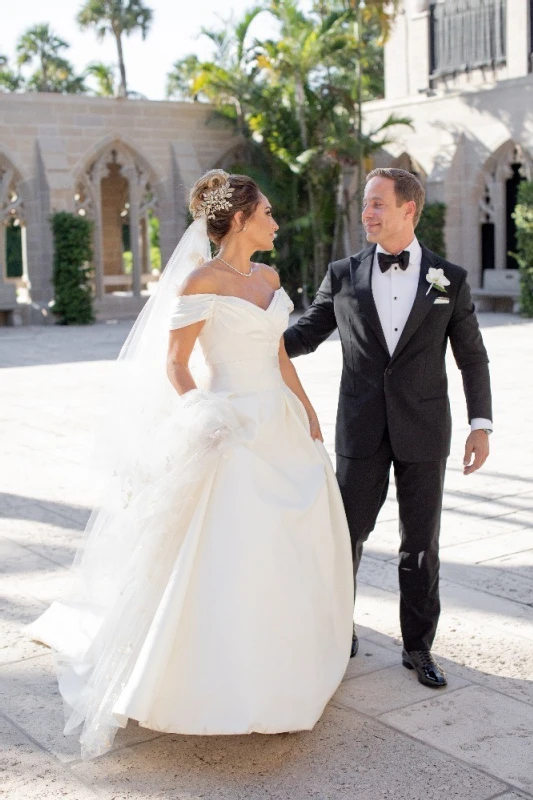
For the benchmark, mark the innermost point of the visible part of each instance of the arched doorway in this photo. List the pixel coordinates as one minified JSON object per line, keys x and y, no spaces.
{"x":511,"y":198}
{"x":501,"y":177}
{"x":13,"y":253}
{"x":117,"y":192}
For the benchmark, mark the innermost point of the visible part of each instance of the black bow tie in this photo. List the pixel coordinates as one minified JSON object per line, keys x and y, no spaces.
{"x":385,"y":261}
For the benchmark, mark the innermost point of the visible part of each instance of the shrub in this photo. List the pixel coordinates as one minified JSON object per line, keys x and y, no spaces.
{"x":430,"y":229}
{"x":72,"y":270}
{"x":523,"y":217}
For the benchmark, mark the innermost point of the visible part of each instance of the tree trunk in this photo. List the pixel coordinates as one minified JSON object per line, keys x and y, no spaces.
{"x":318,"y":244}
{"x":336,"y":245}
{"x":44,"y":71}
{"x":123,"y":89}
{"x":360,"y":144}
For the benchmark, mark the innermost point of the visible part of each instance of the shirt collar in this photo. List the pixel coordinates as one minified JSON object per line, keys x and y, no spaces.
{"x":415,"y":251}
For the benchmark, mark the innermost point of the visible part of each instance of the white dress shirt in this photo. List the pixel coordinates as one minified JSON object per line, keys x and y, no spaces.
{"x":394,"y":294}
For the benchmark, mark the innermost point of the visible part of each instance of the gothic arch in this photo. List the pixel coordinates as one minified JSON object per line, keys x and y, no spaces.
{"x":409,"y":164}
{"x":117,"y":164}
{"x":509,"y":162}
{"x":118,"y":141}
{"x":12,"y":220}
{"x":236,"y":150}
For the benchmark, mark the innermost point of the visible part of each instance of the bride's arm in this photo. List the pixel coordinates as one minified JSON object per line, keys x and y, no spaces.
{"x":180,"y":345}
{"x":182,"y":340}
{"x":290,"y":376}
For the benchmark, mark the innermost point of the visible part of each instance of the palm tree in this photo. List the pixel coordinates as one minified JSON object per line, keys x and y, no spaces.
{"x":60,"y":78}
{"x":116,"y":17}
{"x":296,"y":100}
{"x":293,"y":62}
{"x":104,"y":76}
{"x":40,"y":46}
{"x":10,"y":81}
{"x":229,"y":79}
{"x":348,"y":149}
{"x":181,"y":80}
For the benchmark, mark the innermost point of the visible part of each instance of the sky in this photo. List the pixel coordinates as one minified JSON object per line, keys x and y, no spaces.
{"x":173,"y":34}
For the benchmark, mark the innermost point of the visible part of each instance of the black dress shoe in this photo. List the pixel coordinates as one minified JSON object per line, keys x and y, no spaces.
{"x":428,"y":671}
{"x":355,"y":644}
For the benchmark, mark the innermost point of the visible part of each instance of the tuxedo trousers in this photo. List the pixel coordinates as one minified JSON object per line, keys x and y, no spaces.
{"x":364,"y":484}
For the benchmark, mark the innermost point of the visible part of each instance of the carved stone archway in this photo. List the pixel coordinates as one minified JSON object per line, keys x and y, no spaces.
{"x":409,"y":164}
{"x":12,"y":222}
{"x":117,"y":162}
{"x":502,"y":166}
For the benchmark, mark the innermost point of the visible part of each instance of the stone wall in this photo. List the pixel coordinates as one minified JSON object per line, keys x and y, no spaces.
{"x":48,"y":141}
{"x":407,"y":53}
{"x":466,"y":134}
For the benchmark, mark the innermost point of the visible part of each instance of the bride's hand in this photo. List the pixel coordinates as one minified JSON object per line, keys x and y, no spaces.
{"x":314,"y":427}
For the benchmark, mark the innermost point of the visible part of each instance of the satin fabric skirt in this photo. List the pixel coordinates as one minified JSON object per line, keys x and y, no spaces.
{"x":251,"y":628}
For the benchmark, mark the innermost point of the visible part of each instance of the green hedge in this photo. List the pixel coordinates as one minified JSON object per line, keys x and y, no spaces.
{"x":523,"y":217}
{"x":430,"y":229}
{"x":72,"y":270}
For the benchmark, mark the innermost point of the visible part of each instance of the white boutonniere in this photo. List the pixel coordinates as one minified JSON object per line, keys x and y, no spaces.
{"x":437,"y":280}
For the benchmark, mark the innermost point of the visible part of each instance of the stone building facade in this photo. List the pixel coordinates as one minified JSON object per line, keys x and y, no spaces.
{"x":461,"y":70}
{"x":117,"y":162}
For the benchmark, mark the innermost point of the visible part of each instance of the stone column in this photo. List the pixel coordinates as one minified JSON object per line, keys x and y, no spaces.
{"x":8,"y":292}
{"x":24,"y":242}
{"x":135,"y":229}
{"x":98,"y":259}
{"x":147,"y":265}
{"x":500,"y":232}
{"x":3,"y":265}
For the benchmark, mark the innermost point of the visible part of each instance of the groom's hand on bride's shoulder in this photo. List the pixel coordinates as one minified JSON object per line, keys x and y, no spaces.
{"x":476,"y":451}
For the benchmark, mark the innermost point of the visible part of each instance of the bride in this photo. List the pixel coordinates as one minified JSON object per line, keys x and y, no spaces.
{"x":213,"y":594}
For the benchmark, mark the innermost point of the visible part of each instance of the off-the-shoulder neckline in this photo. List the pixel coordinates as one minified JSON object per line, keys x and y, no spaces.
{"x":235,"y":297}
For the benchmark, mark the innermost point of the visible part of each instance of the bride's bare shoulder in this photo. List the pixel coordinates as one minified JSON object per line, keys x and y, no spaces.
{"x":270,"y":274}
{"x":202,"y":280}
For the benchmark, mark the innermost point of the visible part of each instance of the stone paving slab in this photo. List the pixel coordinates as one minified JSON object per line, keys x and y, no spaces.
{"x":57,"y":544}
{"x":388,"y":689}
{"x":29,"y":773}
{"x":15,"y":613}
{"x":489,"y":548}
{"x":487,"y":730}
{"x":346,"y":756}
{"x":371,"y":658}
{"x":31,"y":700}
{"x":520,"y":563}
{"x":509,"y":796}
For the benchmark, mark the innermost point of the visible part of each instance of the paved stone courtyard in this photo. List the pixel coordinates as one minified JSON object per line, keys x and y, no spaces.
{"x":383,"y":735}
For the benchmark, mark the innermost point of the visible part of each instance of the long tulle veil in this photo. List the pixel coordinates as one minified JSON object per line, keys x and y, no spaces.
{"x":151,"y":448}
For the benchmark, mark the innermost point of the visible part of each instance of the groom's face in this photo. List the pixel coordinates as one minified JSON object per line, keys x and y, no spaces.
{"x":384,"y":221}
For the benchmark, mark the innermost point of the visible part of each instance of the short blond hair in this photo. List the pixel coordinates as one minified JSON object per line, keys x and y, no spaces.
{"x":406,"y":187}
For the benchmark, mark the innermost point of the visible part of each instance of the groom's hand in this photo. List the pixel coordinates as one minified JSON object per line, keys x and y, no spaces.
{"x":476,"y":451}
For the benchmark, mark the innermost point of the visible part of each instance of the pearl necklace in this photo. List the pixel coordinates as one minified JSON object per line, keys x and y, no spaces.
{"x":244,"y":274}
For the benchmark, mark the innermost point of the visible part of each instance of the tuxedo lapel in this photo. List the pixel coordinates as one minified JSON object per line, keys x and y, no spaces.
{"x":361,"y":271}
{"x":423,"y":301}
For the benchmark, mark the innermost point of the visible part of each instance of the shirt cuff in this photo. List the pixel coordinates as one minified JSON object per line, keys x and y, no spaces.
{"x":477,"y":423}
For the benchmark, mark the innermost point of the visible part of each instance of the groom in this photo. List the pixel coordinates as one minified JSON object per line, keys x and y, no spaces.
{"x":396,"y":305}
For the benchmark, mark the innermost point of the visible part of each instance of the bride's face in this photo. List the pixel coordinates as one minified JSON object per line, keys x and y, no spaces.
{"x":261,"y":227}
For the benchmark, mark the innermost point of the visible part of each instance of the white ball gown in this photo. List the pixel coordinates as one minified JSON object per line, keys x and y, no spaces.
{"x":232,"y":612}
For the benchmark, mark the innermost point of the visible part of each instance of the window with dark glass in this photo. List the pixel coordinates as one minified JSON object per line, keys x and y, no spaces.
{"x":466,"y":35}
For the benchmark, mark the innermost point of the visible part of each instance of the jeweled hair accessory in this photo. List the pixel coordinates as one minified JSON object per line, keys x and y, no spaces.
{"x":215,"y":200}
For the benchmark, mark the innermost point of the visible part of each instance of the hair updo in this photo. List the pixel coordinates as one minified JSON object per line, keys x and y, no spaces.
{"x":245,"y":197}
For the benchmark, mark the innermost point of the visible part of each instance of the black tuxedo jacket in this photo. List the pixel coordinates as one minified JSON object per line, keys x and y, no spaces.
{"x":408,"y":391}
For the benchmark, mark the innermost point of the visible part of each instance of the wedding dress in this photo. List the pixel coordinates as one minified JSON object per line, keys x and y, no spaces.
{"x":232,"y":612}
